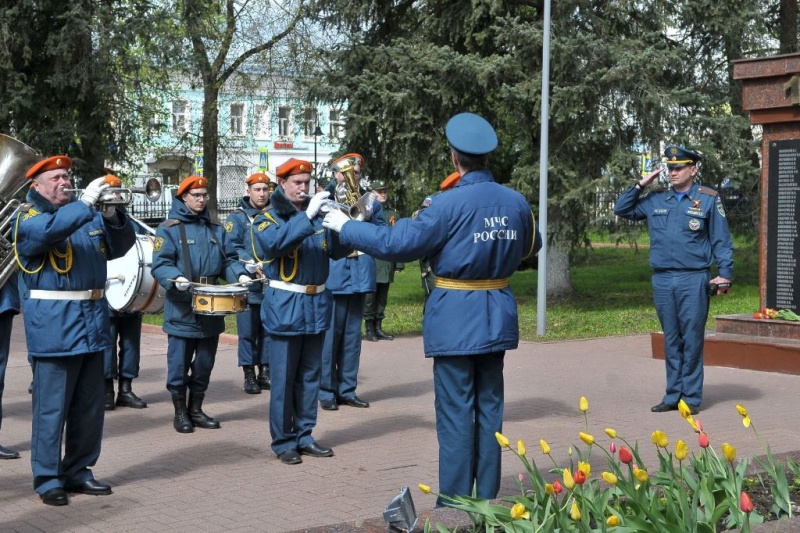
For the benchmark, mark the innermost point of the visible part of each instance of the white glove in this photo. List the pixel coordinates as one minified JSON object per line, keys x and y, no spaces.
{"x":182,"y":284}
{"x":93,"y":191}
{"x":244,"y":278}
{"x":251,"y":266}
{"x":335,"y":220}
{"x":316,"y":202}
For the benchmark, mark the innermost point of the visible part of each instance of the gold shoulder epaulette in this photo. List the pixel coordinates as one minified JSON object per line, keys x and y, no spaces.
{"x":30,"y":213}
{"x":171,"y":222}
{"x":707,"y":190}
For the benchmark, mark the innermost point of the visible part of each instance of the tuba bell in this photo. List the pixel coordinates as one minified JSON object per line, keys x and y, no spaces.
{"x":15,"y":159}
{"x":347,"y":192}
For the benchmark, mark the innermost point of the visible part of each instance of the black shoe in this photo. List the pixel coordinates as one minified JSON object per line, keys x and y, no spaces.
{"x":354,"y":401}
{"x":264,"y":381}
{"x":290,"y":457}
{"x":197,"y":416}
{"x":663,"y":408}
{"x":55,"y":496}
{"x":110,"y":405}
{"x":382,"y":335}
{"x":5,"y":453}
{"x":127,"y":398}
{"x":250,"y":383}
{"x":91,"y":487}
{"x":693,"y":410}
{"x":315,"y":450}
{"x":329,"y":405}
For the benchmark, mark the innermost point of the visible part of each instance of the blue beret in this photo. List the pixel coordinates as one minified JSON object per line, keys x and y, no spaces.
{"x":471,"y":134}
{"x":678,"y":155}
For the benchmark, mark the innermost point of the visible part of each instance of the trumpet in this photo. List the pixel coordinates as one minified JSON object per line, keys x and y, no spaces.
{"x":124,"y":195}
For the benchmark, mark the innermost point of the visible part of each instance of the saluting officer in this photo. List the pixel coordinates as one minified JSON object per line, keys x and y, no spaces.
{"x":190,"y":248}
{"x":688,"y":234}
{"x":464,"y":231}
{"x":296,"y":310}
{"x":252,"y":346}
{"x":62,"y":245}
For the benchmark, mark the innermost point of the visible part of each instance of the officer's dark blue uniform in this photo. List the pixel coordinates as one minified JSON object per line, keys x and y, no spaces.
{"x":297,"y":308}
{"x":349,"y":281}
{"x":688,"y":234}
{"x":63,"y":246}
{"x":190,"y":245}
{"x":253,"y":347}
{"x":9,"y":306}
{"x":476,"y":235}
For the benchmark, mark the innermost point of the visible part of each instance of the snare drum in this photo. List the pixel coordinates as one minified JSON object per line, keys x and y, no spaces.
{"x":219,"y":300}
{"x":130,"y":287}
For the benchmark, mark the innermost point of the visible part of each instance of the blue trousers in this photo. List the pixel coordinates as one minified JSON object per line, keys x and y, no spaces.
{"x":681,"y":303}
{"x":6,"y":320}
{"x":341,"y":352}
{"x":187,"y":372}
{"x":469,"y":411}
{"x":68,"y":393}
{"x":123,"y":362}
{"x":252,"y":337}
{"x":294,"y":363}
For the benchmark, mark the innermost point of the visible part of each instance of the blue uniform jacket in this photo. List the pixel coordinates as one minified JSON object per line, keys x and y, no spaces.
{"x":355,"y":275}
{"x":684,"y":235}
{"x":478,"y":230}
{"x":237,"y":229}
{"x":9,"y":296}
{"x":44,"y":235}
{"x":298,"y":250}
{"x":205,"y":241}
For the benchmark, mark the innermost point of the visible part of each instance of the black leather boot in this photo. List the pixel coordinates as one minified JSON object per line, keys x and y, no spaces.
{"x":181,"y":422}
{"x":109,"y":395}
{"x":382,"y":335}
{"x":370,"y":331}
{"x":250,"y":383}
{"x":197,"y":416}
{"x":127,"y":398}
{"x":264,"y":381}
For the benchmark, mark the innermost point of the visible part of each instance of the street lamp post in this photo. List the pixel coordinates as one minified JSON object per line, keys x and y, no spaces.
{"x":317,"y":133}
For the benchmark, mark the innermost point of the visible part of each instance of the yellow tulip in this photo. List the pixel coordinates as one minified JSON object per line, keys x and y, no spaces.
{"x":681,"y":450}
{"x":569,"y":451}
{"x":693,"y":424}
{"x":729,"y":452}
{"x":569,"y":481}
{"x":501,"y":440}
{"x":746,"y":421}
{"x":544,"y":446}
{"x":424,"y":488}
{"x":611,"y":433}
{"x":520,"y":447}
{"x":585,"y":437}
{"x":518,"y":511}
{"x":584,"y":404}
{"x":684,"y":409}
{"x":659,"y":438}
{"x":549,"y":489}
{"x":641,"y":474}
{"x":586,"y":468}
{"x":610,"y":478}
{"x":574,"y":512}
{"x":612,"y":521}
{"x":741,"y":410}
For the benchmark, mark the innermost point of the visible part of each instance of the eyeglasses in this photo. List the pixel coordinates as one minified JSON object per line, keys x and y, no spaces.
{"x":198,"y":195}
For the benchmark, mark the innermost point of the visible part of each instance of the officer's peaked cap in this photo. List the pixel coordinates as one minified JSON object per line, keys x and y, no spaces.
{"x":471,"y":134}
{"x":678,"y":155}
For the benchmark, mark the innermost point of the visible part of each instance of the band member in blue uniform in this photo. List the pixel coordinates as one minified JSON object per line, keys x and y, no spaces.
{"x":62,"y":245}
{"x":296,"y":310}
{"x":121,"y":360}
{"x":476,"y":235}
{"x":688,"y":234}
{"x":9,"y":307}
{"x":190,"y":248}
{"x":252,"y":346}
{"x":349,"y":281}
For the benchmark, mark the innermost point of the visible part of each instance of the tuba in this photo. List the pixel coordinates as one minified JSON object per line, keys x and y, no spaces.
{"x":15,"y":159}
{"x":347,"y":192}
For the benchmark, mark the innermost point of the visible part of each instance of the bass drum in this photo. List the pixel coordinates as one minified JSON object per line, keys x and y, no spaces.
{"x":131,"y":287}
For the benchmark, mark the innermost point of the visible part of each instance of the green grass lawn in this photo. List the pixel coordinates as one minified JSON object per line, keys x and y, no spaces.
{"x":612,"y":296}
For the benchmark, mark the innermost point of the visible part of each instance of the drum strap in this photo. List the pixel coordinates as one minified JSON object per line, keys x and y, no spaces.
{"x":187,"y":261}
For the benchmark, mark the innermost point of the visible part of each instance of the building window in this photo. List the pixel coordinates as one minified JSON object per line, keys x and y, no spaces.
{"x":262,"y":121}
{"x":310,"y":121}
{"x":237,"y":119}
{"x":336,"y":128}
{"x":180,"y":116}
{"x":285,"y":122}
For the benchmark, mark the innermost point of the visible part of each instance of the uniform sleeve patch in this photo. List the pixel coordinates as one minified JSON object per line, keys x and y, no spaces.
{"x":228,"y":226}
{"x":264,"y":225}
{"x":720,"y":209}
{"x":158,"y":243}
{"x":30,"y":214}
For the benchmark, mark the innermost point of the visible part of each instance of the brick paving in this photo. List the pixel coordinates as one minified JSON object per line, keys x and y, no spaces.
{"x":229,"y":480}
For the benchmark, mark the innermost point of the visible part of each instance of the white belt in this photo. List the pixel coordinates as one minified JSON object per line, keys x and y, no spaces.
{"x":294,"y":287}
{"x":90,"y":294}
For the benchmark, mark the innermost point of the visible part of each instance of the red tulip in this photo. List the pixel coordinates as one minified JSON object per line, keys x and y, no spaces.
{"x":745,"y":503}
{"x":702,"y":440}
{"x":625,"y":455}
{"x":558,"y":488}
{"x":579,"y":477}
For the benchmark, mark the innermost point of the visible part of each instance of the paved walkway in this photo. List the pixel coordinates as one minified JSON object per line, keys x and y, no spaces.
{"x":229,"y":480}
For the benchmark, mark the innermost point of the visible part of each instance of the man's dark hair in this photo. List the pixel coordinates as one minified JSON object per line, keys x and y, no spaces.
{"x":471,"y":161}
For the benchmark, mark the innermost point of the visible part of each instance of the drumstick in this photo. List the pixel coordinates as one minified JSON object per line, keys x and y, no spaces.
{"x":118,"y":277}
